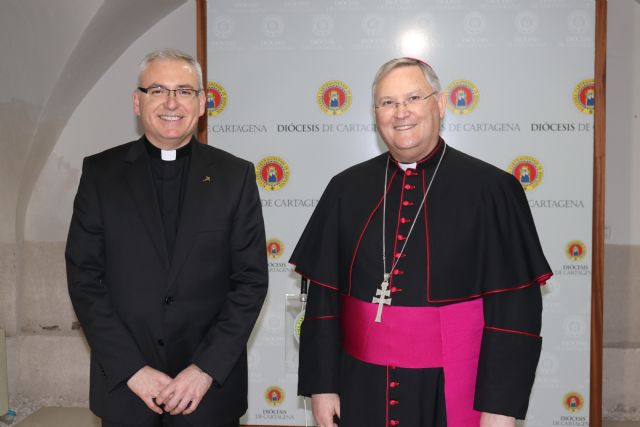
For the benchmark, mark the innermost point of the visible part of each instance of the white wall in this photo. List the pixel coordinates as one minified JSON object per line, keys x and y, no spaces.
{"x":48,"y":357}
{"x":622,"y":215}
{"x":621,"y":379}
{"x":103,"y":119}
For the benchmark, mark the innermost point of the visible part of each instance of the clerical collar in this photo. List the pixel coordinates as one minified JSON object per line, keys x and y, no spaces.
{"x":405,"y":166}
{"x":168,"y":155}
{"x":431,"y":158}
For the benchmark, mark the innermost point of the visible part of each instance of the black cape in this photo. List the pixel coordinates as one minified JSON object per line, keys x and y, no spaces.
{"x":474,"y":237}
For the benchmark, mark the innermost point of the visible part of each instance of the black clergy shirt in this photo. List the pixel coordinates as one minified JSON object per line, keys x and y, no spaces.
{"x":169,"y":178}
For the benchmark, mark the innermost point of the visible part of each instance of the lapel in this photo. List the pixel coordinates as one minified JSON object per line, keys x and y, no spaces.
{"x":138,"y":176}
{"x":197,"y":194}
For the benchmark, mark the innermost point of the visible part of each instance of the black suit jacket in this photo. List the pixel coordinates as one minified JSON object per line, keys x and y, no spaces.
{"x":137,"y":307}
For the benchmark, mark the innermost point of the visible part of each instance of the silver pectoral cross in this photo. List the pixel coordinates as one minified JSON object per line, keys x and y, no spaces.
{"x":381,"y":297}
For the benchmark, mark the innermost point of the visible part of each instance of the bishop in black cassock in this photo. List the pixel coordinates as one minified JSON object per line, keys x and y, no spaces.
{"x":440,"y":326}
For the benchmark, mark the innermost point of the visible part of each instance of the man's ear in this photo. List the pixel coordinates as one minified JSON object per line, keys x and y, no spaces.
{"x":136,"y":102}
{"x":442,"y":103}
{"x":202,"y":100}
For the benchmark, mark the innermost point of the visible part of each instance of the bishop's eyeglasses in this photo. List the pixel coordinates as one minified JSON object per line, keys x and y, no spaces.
{"x":158,"y":92}
{"x":388,"y":106}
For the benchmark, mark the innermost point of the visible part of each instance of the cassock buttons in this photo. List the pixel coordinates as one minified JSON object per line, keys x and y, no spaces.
{"x":401,"y":237}
{"x":168,"y":300}
{"x":405,"y":220}
{"x":394,"y":422}
{"x":409,"y":187}
{"x":393,"y":402}
{"x":395,"y":289}
{"x":394,"y":384}
{"x":407,"y":203}
{"x":398,"y":272}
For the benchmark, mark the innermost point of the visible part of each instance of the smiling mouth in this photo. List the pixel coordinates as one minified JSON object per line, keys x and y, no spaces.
{"x":403,"y":127}
{"x":170,"y":118}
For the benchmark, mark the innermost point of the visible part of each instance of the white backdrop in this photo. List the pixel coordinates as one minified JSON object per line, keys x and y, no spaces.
{"x":524,"y":73}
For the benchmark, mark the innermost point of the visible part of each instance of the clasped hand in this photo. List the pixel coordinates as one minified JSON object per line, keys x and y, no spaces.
{"x":179,"y":395}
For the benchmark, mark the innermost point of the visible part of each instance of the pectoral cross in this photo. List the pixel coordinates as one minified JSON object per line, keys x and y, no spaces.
{"x":381,"y":297}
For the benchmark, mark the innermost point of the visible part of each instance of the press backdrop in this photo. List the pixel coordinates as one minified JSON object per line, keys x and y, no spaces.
{"x":289,"y":89}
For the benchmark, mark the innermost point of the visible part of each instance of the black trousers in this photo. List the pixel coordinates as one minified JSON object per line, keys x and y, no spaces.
{"x":165,"y":421}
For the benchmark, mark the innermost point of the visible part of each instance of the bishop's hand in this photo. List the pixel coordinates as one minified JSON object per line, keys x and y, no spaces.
{"x":325,"y":406}
{"x":495,"y":420}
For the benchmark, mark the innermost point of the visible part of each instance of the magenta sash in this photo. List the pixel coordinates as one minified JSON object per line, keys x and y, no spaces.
{"x":422,"y":337}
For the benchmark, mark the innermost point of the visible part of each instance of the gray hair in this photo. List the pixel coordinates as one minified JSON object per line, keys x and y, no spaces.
{"x":430,"y":76}
{"x":171,"y":54}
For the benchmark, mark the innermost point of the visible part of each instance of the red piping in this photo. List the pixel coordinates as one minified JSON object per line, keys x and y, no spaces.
{"x":513,"y":332}
{"x":386,"y":406}
{"x":395,"y":243}
{"x":426,"y":238}
{"x":334,"y":288}
{"x":542,"y":280}
{"x":355,"y":251}
{"x":320,"y":317}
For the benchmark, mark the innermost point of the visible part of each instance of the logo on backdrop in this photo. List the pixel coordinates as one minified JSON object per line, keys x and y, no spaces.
{"x":527,"y":170}
{"x":526,"y":22}
{"x":575,"y":326}
{"x":274,"y":395}
{"x":576,"y":250}
{"x":579,"y":22}
{"x":272,"y":26}
{"x":334,"y":97}
{"x":275,"y":248}
{"x":272,"y":173}
{"x":216,"y":99}
{"x":322,"y":25}
{"x":547,"y":372}
{"x":222,"y":26}
{"x":584,"y":96}
{"x":573,"y":401}
{"x":462,"y":96}
{"x":475,"y":23}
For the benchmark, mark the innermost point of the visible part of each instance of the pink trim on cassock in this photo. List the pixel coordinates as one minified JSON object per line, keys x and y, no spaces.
{"x":445,"y":337}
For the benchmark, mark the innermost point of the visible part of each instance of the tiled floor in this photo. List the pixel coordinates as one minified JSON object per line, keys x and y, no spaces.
{"x":61,"y":417}
{"x":81,"y":417}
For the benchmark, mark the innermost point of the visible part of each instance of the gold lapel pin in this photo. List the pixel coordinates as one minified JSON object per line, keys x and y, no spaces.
{"x":206,"y":178}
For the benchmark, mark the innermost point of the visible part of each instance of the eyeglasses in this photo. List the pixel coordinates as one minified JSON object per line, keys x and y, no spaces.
{"x":160,"y":92}
{"x":388,"y":105}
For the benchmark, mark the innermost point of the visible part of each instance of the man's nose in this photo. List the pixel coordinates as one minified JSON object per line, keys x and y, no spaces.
{"x":401,"y":109}
{"x":171,"y":101}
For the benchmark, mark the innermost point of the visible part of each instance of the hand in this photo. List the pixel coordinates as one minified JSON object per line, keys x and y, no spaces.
{"x":147,"y":384}
{"x":325,"y":406}
{"x":495,"y":420}
{"x":184,"y":393}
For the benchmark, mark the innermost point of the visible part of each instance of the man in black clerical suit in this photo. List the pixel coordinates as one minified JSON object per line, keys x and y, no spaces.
{"x":424,"y":308}
{"x":166,"y":263}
